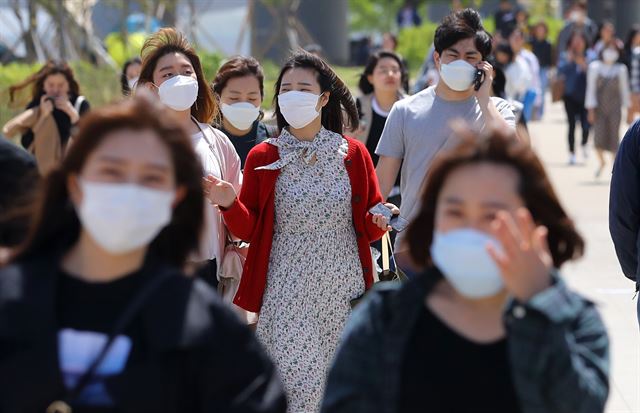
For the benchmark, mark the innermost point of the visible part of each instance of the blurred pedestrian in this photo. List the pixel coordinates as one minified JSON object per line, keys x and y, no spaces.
{"x":532,"y":96}
{"x":130,"y":75}
{"x":573,"y":72}
{"x":408,"y":15}
{"x":517,"y":73}
{"x":607,"y":93}
{"x":56,"y":106}
{"x":505,"y":17}
{"x":490,"y":314}
{"x":543,"y":50}
{"x":172,"y":69}
{"x":418,"y":127}
{"x":624,"y":206}
{"x":632,"y":60}
{"x":390,"y":44}
{"x":304,"y":207}
{"x":97,"y":314}
{"x":606,"y":35}
{"x":576,"y":20}
{"x":239,"y":87}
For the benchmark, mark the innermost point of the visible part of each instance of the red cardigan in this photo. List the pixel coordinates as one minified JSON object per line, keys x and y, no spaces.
{"x":252,"y":214}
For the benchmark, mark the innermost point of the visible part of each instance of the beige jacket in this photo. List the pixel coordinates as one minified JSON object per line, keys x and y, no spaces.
{"x":366,"y":110}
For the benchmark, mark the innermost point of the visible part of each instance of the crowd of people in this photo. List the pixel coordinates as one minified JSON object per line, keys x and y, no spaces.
{"x":129,"y":219}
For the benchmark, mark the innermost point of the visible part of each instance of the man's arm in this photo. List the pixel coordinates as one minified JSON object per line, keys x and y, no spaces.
{"x":387,"y":172}
{"x":492,"y":115}
{"x":624,"y":202}
{"x":390,"y":150}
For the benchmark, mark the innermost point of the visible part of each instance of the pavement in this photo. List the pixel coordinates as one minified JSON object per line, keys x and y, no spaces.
{"x":597,"y":275}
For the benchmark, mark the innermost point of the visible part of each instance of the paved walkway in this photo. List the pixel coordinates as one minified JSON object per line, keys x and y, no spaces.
{"x":597,"y":275}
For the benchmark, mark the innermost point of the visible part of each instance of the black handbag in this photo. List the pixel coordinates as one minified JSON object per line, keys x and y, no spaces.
{"x":387,"y":274}
{"x":64,"y":404}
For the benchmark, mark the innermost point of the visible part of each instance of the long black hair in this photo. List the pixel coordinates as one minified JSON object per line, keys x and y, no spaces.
{"x":365,"y":86}
{"x":341,"y":104}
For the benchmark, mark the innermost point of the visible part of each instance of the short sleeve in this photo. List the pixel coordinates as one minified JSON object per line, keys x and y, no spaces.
{"x":392,"y":140}
{"x":504,"y":108}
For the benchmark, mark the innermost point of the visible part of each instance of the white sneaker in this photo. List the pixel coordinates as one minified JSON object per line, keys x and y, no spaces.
{"x":572,"y":159}
{"x":585,"y":152}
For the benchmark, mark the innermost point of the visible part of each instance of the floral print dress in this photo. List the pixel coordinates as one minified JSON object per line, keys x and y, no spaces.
{"x":314,"y":268}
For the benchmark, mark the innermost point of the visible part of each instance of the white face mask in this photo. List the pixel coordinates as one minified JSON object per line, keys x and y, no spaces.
{"x":179,"y":92}
{"x":298,"y":108}
{"x":241,"y":115}
{"x":462,"y":257}
{"x":132,"y":82}
{"x":610,"y":56}
{"x":458,"y":75}
{"x":123,"y":217}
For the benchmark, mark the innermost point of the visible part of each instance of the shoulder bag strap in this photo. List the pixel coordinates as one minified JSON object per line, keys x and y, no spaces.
{"x":123,"y":322}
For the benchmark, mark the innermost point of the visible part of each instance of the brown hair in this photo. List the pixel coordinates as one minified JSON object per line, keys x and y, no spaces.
{"x":169,"y":40}
{"x":534,"y":188}
{"x":54,"y":222}
{"x":333,"y":114}
{"x":52,"y":67}
{"x":238,"y":66}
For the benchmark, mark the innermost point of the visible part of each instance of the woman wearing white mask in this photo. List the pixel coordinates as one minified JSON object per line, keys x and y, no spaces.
{"x":607,"y":92}
{"x":96,"y":311}
{"x":130,"y":75}
{"x":240,"y":90}
{"x":304,"y":207}
{"x":172,"y":69}
{"x":490,"y":313}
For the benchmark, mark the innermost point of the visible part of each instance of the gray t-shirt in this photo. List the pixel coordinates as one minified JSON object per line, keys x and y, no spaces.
{"x":418,"y":128}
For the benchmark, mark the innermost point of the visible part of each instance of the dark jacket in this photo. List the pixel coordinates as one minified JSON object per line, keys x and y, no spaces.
{"x":624,"y":203}
{"x":199,"y":358}
{"x":575,"y":81}
{"x":558,"y":351}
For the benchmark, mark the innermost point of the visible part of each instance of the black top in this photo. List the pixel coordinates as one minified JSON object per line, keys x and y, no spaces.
{"x":444,"y":372}
{"x":377,"y":125}
{"x":62,"y":121}
{"x":543,"y":51}
{"x":87,"y":313}
{"x":175,"y":342}
{"x":243,"y":144}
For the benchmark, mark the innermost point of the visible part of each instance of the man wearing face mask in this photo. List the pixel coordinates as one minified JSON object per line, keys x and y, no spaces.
{"x":576,"y":21}
{"x":419,"y":127}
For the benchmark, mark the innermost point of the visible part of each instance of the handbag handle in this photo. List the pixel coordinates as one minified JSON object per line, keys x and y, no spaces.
{"x":62,"y":406}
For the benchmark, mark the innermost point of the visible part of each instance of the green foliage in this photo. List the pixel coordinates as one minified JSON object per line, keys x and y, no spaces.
{"x":378,"y":15}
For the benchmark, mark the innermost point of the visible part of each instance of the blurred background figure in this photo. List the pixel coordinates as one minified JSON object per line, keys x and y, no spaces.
{"x":576,"y":19}
{"x":573,"y":71}
{"x":532,"y":95}
{"x":390,"y":44}
{"x":632,"y":60}
{"x":505,"y":17}
{"x":517,"y":73}
{"x":543,"y":50}
{"x":239,"y":87}
{"x":606,"y":35}
{"x":408,"y":15}
{"x":130,"y":75}
{"x":55,"y":107}
{"x":607,"y":92}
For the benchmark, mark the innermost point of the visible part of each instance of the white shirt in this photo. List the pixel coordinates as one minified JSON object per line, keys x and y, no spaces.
{"x":222,"y":162}
{"x":597,"y":69}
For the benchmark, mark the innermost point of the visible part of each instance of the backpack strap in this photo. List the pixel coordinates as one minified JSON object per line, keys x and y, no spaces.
{"x":79,"y":101}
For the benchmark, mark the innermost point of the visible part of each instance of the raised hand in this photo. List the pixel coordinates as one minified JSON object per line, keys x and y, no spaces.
{"x":218,"y":192}
{"x":525,"y":262}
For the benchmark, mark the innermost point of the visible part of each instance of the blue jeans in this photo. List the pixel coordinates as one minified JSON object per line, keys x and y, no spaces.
{"x":544,"y":84}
